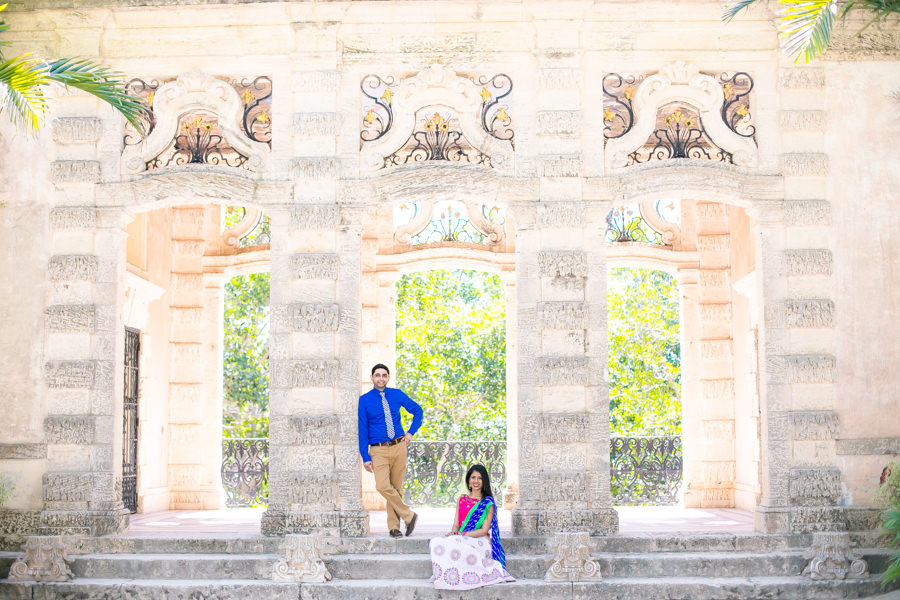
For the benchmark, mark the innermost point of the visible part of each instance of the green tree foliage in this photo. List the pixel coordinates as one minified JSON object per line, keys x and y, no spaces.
{"x":246,"y":357}
{"x":644,"y":353}
{"x":451,"y":352}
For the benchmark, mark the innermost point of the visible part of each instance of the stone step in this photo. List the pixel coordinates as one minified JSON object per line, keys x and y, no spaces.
{"x":403,"y":566}
{"x":673,"y":588}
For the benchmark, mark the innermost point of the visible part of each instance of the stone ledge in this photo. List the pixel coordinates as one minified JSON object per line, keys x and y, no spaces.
{"x":23,"y":451}
{"x":868,"y":447}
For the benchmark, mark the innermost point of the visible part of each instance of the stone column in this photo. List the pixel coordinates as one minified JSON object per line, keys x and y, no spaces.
{"x":83,"y":371}
{"x":691,"y":398}
{"x":511,"y":493}
{"x":314,"y":374}
{"x":195,"y":410}
{"x":563,"y":393}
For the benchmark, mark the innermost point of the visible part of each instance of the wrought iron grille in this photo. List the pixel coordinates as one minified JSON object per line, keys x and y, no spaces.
{"x":435,"y":470}
{"x":130,"y":419}
{"x":245,"y":471}
{"x":645,"y":470}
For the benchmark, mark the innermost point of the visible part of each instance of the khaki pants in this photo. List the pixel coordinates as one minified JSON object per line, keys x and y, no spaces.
{"x":389,"y":464}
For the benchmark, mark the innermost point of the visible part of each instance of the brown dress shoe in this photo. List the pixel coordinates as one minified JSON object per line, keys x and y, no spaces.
{"x":395,"y":533}
{"x":411,"y":525}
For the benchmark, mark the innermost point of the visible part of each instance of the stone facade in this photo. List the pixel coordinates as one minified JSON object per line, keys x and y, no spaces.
{"x":786,"y":370}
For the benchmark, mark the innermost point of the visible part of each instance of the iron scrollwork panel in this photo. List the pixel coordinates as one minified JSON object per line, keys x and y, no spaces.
{"x":130,"y":419}
{"x":645,"y":470}
{"x":245,"y":471}
{"x":435,"y":471}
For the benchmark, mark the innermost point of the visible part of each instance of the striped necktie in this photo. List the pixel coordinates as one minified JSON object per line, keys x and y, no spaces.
{"x":387,"y":416}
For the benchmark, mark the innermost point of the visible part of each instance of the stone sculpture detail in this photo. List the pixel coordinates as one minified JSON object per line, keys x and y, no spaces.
{"x":831,"y":557}
{"x":572,"y":558}
{"x":45,"y":560}
{"x":303,"y":561}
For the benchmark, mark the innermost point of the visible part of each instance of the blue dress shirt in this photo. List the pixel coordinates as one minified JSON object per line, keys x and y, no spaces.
{"x":370,"y":413}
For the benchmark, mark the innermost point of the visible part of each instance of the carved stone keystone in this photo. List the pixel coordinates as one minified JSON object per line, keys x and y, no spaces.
{"x":831,"y":557}
{"x":572,"y":558}
{"x":303,"y":561}
{"x":45,"y":560}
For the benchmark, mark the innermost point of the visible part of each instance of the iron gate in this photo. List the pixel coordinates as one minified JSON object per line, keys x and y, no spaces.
{"x":130,"y":419}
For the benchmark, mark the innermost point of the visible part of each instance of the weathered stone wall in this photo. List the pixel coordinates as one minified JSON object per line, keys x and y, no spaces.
{"x":819,"y":201}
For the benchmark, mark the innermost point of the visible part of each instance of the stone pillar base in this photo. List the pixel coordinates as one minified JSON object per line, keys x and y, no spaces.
{"x":597,"y":521}
{"x":806,"y":519}
{"x":354,"y":523}
{"x":83,"y":522}
{"x":277,"y":522}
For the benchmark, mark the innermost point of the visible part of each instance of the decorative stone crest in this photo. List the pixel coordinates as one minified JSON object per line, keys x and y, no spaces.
{"x":303,"y":560}
{"x":45,"y":560}
{"x":572,"y":558}
{"x":831,"y":557}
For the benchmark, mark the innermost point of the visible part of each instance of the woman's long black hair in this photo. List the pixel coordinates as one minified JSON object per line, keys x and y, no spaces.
{"x":485,"y":480}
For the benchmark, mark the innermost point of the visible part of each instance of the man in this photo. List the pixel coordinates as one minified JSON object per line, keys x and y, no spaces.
{"x":382,"y":444}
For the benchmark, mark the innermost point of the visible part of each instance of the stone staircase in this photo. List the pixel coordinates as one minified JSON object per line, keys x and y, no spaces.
{"x":645,"y":567}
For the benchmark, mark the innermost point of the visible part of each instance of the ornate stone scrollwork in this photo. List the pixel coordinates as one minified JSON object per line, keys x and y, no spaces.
{"x":436,"y":115}
{"x":199,"y":118}
{"x":45,"y":560}
{"x":572,"y":558}
{"x":303,"y":560}
{"x":831,"y":557}
{"x":678,"y":112}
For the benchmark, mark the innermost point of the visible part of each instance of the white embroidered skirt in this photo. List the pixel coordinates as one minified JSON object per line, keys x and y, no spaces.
{"x":464,"y":563}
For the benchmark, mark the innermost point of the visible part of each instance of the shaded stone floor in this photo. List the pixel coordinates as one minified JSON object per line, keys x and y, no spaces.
{"x":435,"y":521}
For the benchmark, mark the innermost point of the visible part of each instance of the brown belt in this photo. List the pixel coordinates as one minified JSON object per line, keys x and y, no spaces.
{"x":390,"y":443}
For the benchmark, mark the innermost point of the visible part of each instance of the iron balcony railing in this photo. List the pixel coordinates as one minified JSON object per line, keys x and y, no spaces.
{"x":643,"y":470}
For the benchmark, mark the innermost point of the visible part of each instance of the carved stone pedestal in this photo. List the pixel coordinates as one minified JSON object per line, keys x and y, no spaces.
{"x":303,"y":561}
{"x":831,"y":557}
{"x":45,"y":560}
{"x":572,"y":558}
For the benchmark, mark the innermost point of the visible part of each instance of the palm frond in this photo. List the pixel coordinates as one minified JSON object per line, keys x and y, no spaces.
{"x":805,"y":27}
{"x":3,"y":26}
{"x":101,"y":82}
{"x":733,"y":7}
{"x":22,"y":82}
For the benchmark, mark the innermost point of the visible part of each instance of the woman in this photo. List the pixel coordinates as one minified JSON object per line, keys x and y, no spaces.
{"x":471,"y":556}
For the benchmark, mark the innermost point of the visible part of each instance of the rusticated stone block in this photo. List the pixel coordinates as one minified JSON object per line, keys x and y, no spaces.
{"x":713,"y":243}
{"x":68,"y":429}
{"x":67,"y":487}
{"x":558,"y":122}
{"x":316,"y":216}
{"x":23,"y":451}
{"x":807,"y":212}
{"x":561,"y":166}
{"x":810,"y":368}
{"x":804,"y":163}
{"x":75,"y":171}
{"x":309,"y":317}
{"x":73,"y":217}
{"x":79,"y":317}
{"x":596,"y":521}
{"x":809,"y":519}
{"x":68,"y":130}
{"x":814,"y":425}
{"x":76,"y":267}
{"x":562,"y":263}
{"x":560,"y":214}
{"x":315,"y":266}
{"x":317,"y":81}
{"x":801,"y":78}
{"x":70,"y":373}
{"x":815,"y":486}
{"x":712,"y":278}
{"x":305,"y":373}
{"x":317,"y":123}
{"x":315,"y":167}
{"x":798,"y":263}
{"x":563,"y":315}
{"x":563,"y":370}
{"x":19,"y":521}
{"x":717,"y":390}
{"x":560,"y":79}
{"x":311,"y":490}
{"x":715,"y":349}
{"x":354,"y":523}
{"x":809,"y":313}
{"x":716,"y":312}
{"x":316,"y":429}
{"x":564,"y":486}
{"x":865,"y":446}
{"x":564,"y":427}
{"x":802,"y":120}
{"x":711,"y":210}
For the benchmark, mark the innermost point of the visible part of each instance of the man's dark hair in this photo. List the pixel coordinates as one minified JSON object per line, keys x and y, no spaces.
{"x":380,"y":366}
